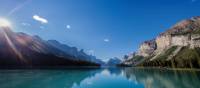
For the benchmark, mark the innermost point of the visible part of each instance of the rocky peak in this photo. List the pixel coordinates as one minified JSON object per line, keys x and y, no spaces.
{"x":150,"y":43}
{"x":196,"y":18}
{"x":169,"y":43}
{"x":179,"y":34}
{"x":147,"y":48}
{"x":185,"y":26}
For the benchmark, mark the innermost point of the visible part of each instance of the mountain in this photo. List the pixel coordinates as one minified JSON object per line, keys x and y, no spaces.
{"x":19,"y":50}
{"x":113,"y":61}
{"x":178,"y":47}
{"x":65,"y":48}
{"x":95,"y":60}
{"x":73,"y":51}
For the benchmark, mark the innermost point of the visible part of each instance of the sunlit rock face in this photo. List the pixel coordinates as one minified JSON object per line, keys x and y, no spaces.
{"x":163,"y":42}
{"x":187,"y":25}
{"x":183,"y":26}
{"x":183,"y":34}
{"x":180,"y":35}
{"x":195,"y":41}
{"x":147,"y":48}
{"x":180,"y":40}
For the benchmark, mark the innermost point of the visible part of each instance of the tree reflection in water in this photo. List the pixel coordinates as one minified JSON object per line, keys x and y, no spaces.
{"x":141,"y":78}
{"x":99,"y":78}
{"x":157,"y":78}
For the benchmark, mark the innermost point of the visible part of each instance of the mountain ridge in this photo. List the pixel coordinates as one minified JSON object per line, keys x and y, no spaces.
{"x":73,"y":51}
{"x":166,"y":47}
{"x":19,"y":50}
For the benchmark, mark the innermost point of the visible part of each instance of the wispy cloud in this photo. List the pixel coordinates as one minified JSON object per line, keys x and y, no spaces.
{"x":40,"y":19}
{"x":106,"y":40}
{"x":25,"y":24}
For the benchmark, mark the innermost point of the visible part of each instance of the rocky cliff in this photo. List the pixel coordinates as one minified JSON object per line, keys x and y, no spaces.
{"x":147,"y":48}
{"x":168,"y":45}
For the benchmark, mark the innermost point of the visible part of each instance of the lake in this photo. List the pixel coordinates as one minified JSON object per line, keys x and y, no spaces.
{"x":100,"y":78}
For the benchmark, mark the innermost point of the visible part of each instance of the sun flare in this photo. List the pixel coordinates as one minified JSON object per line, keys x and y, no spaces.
{"x":4,"y":23}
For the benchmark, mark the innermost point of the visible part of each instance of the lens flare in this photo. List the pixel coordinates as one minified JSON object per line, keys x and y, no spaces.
{"x":4,"y":23}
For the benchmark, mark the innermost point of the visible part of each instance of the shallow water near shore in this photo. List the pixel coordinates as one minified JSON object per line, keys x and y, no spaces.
{"x":100,"y":78}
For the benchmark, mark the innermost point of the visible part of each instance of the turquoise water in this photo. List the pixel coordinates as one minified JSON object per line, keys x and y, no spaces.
{"x":99,"y":78}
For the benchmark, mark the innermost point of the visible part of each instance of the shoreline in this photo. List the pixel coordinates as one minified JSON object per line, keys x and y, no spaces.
{"x":99,"y":67}
{"x":164,"y":68}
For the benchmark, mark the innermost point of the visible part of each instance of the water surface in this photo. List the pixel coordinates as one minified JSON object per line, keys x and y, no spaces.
{"x":99,"y":78}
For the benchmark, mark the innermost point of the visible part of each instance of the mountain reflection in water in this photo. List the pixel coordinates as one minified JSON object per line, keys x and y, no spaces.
{"x":99,"y":78}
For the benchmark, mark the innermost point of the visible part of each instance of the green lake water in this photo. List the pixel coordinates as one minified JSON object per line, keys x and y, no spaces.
{"x":100,"y":78}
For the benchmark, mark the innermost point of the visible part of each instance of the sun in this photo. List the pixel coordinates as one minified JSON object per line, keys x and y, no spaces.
{"x":4,"y":23}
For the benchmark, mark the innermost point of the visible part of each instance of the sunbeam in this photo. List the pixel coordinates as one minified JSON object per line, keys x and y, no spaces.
{"x":12,"y":46}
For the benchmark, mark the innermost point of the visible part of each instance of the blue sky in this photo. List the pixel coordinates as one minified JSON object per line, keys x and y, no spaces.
{"x":105,"y":28}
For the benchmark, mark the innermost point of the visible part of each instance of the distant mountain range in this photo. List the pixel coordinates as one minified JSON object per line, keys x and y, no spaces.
{"x":19,"y":50}
{"x":178,"y":47}
{"x":73,"y":51}
{"x":113,"y":61}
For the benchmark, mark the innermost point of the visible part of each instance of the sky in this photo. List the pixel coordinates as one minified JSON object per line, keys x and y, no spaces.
{"x":104,"y":28}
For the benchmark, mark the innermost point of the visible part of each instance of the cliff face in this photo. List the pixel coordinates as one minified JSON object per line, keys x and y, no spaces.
{"x":163,"y":42}
{"x":184,"y":34}
{"x":195,"y":41}
{"x":147,"y":48}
